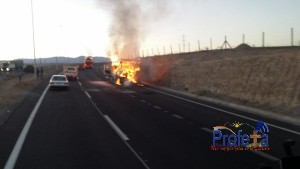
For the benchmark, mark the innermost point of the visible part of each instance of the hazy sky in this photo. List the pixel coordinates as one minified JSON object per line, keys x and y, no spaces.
{"x":81,"y":27}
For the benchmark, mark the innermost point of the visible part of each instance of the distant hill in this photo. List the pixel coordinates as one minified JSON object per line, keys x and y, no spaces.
{"x":62,"y":59}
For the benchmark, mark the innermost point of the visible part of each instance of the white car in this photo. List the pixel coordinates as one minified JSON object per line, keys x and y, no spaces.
{"x":59,"y":81}
{"x":71,"y":72}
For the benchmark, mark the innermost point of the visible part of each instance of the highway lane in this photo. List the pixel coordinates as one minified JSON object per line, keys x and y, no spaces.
{"x":206,"y":117}
{"x":172,"y":133}
{"x":68,"y":132}
{"x":11,"y":129}
{"x":162,"y":131}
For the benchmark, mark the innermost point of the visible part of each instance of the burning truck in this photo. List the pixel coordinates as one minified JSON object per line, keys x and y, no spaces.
{"x":122,"y":72}
{"x":88,"y":63}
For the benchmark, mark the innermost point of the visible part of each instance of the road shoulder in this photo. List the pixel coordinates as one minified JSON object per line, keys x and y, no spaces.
{"x":252,"y":110}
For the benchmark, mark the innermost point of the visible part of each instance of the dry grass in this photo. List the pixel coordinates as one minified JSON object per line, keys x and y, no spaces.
{"x":11,"y":90}
{"x":263,"y":78}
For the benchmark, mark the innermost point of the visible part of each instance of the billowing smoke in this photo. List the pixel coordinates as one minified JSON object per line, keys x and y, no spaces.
{"x":130,"y":19}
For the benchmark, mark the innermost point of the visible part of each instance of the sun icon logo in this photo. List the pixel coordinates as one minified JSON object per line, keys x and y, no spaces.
{"x":236,"y":124}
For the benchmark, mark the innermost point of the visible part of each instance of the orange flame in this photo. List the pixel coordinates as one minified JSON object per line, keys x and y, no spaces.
{"x":125,"y":69}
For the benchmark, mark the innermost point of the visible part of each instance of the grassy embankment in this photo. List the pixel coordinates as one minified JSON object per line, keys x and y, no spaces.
{"x":265,"y":78}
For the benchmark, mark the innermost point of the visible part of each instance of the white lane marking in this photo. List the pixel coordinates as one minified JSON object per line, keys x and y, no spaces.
{"x":132,"y":96}
{"x":79,"y":83}
{"x":264,"y":155}
{"x":157,"y":107}
{"x":18,"y":146}
{"x":285,"y":129}
{"x":124,"y":141}
{"x":225,"y":111}
{"x":87,"y":94}
{"x":92,"y":90}
{"x":116,"y":128}
{"x":207,"y":130}
{"x":144,"y":101}
{"x":260,"y":153}
{"x":166,"y":111}
{"x":177,"y":116}
{"x":127,"y":91}
{"x":137,"y":155}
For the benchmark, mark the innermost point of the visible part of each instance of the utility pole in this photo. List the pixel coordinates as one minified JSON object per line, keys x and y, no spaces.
{"x":183,"y":43}
{"x":33,"y":40}
{"x":179,"y":48}
{"x":225,"y":44}
{"x":56,"y":63}
{"x":189,"y":47}
{"x":199,"y":45}
{"x":210,"y":44}
{"x":263,"y":39}
{"x":243,"y":38}
{"x":292,"y":36}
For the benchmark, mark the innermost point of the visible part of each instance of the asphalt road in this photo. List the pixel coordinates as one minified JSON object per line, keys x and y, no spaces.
{"x":96,"y":124}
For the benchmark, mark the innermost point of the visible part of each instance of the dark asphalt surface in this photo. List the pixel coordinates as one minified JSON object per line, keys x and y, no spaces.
{"x":164,"y":131}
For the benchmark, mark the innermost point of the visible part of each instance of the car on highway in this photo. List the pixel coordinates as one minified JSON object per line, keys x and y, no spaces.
{"x":59,"y":81}
{"x":71,"y":72}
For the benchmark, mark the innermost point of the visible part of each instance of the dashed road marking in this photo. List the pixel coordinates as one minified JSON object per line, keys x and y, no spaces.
{"x":225,"y":111}
{"x":123,"y":137}
{"x":264,"y":155}
{"x":177,"y":116}
{"x":207,"y":130}
{"x":144,"y":101}
{"x":157,"y":107}
{"x":116,"y":128}
{"x":92,"y":90}
{"x":87,"y":94}
{"x":127,"y":91}
{"x":260,"y":153}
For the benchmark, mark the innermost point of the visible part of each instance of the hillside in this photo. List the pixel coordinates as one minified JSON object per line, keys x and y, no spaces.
{"x":267,"y":78}
{"x":62,"y":59}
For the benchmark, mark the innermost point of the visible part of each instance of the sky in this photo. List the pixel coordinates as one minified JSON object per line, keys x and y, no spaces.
{"x":82,"y":27}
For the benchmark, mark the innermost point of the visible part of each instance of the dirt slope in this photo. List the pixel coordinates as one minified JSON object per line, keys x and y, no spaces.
{"x":267,"y":78}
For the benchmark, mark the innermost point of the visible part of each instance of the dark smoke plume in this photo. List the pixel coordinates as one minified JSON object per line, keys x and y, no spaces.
{"x":130,"y":19}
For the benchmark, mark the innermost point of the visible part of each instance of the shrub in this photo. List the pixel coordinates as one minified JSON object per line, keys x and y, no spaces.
{"x":29,"y":69}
